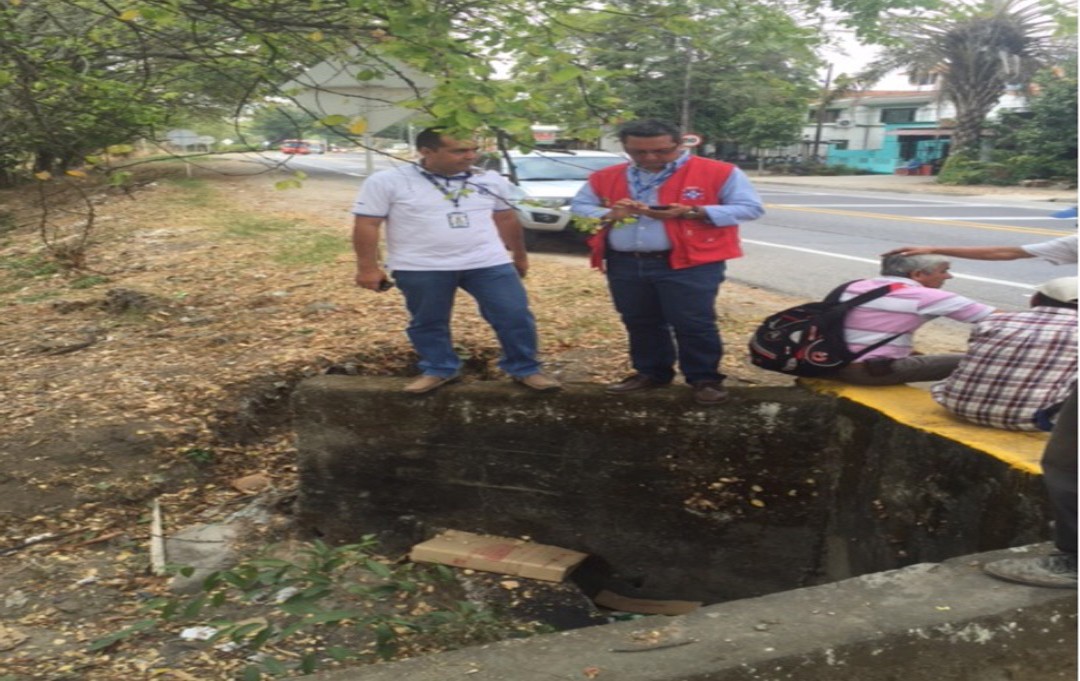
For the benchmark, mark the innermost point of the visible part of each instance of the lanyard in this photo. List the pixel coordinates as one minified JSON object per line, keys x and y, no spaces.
{"x":641,"y":188}
{"x":453,"y":197}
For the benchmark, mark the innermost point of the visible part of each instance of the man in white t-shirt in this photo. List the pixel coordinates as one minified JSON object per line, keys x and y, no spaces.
{"x":449,"y":226}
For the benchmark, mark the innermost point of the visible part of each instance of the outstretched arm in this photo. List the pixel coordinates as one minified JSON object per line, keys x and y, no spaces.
{"x":969,"y":252}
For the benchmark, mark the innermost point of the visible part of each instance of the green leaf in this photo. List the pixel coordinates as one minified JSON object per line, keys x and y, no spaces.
{"x":565,"y":75}
{"x":340,"y":654}
{"x":252,"y":673}
{"x":379,"y":569}
{"x":483,"y":105}
{"x":335,"y":119}
{"x":132,"y":630}
{"x":242,"y":631}
{"x":274,"y":666}
{"x":333,"y":616}
{"x":193,"y":608}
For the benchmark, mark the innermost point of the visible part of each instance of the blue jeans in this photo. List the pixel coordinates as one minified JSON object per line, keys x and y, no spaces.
{"x":668,"y":314}
{"x":500,"y":295}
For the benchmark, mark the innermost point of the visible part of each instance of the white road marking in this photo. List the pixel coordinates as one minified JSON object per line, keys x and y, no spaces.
{"x":879,"y":205}
{"x":841,"y":256}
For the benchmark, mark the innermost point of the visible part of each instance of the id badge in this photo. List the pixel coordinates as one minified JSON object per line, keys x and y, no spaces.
{"x":458,"y":220}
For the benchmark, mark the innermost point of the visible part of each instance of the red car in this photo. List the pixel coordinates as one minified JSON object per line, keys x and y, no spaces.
{"x":295,"y":147}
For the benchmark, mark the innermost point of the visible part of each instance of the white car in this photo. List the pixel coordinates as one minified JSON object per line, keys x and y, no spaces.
{"x":547,"y":181}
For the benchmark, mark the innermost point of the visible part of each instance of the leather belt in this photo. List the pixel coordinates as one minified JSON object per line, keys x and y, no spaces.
{"x":642,"y":254}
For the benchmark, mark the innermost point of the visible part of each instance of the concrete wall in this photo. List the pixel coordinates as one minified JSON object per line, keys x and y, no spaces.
{"x":926,"y":622}
{"x":778,"y":489}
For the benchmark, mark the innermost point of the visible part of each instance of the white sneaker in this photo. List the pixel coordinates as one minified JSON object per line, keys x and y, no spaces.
{"x":426,"y":383}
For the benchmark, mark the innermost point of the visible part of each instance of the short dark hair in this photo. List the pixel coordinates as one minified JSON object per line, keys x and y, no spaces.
{"x":429,"y":138}
{"x":649,"y":127}
{"x":1040,"y":299}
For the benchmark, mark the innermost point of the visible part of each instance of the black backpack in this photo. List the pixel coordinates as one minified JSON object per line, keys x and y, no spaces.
{"x":808,"y":339}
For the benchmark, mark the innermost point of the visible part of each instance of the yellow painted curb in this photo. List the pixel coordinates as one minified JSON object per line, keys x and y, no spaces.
{"x":915,"y":408}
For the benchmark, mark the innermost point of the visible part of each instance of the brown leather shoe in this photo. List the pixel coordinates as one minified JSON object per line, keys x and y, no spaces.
{"x":539,"y":382}
{"x":425,"y":383}
{"x":710,"y":392}
{"x":633,"y":383}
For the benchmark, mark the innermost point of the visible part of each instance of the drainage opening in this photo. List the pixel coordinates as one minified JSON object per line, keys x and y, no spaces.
{"x":777,"y":490}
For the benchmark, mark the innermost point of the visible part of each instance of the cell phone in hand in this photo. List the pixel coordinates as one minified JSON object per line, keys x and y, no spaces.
{"x":386,"y":285}
{"x":659,"y":207}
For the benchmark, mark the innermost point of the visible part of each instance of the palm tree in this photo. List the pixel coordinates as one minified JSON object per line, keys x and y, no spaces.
{"x":978,"y":49}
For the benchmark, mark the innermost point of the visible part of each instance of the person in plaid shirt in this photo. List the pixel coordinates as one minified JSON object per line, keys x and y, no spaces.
{"x":1018,"y":364}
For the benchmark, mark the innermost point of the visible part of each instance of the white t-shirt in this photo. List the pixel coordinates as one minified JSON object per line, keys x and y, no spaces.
{"x":1056,"y":251}
{"x":425,"y":230}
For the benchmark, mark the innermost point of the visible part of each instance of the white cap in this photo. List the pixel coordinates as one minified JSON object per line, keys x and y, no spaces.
{"x":1062,"y":289}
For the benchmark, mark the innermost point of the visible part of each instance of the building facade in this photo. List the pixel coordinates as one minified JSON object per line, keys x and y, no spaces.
{"x":889,"y":131}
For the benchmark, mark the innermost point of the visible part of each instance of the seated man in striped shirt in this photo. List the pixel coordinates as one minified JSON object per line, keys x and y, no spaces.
{"x":1018,"y":364}
{"x":916,"y":299}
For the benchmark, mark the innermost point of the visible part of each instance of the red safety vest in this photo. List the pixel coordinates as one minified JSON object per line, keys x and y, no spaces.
{"x":696,"y":183}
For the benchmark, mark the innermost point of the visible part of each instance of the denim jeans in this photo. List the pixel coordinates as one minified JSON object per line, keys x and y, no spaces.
{"x":668,"y":314}
{"x":500,"y":296}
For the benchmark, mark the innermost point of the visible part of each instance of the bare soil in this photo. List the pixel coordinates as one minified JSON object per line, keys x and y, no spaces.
{"x":162,"y":370}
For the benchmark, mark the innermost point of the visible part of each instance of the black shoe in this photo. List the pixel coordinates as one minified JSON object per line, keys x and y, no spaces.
{"x":709,"y":392}
{"x":634,"y":383}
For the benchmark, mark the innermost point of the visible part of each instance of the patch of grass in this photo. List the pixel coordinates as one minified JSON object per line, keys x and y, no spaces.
{"x":200,"y":456}
{"x":293,"y":614}
{"x":312,"y":249}
{"x":247,"y":227}
{"x":7,"y":221}
{"x":195,"y":192}
{"x":88,"y":281}
{"x":37,"y":297}
{"x":30,"y":266}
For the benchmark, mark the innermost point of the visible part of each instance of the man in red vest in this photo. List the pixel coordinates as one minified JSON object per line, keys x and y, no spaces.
{"x":668,"y":224}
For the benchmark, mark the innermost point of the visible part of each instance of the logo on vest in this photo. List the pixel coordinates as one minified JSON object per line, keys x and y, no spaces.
{"x":693,"y":193}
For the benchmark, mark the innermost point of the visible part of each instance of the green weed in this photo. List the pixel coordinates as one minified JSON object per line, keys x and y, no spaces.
{"x":195,"y":192}
{"x":30,"y":266}
{"x":312,"y":249}
{"x":88,"y":281}
{"x":344,"y":602}
{"x":245,"y":226}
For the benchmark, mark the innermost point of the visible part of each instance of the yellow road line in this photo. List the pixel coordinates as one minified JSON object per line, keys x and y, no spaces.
{"x":951,"y":223}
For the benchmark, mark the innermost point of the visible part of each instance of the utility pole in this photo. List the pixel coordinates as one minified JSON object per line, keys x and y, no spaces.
{"x":684,"y":118}
{"x":823,"y":101}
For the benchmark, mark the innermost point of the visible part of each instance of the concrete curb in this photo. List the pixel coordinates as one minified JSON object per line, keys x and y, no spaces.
{"x":923,"y":622}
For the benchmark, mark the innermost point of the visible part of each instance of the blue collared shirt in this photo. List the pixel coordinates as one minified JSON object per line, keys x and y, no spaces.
{"x":738,"y":202}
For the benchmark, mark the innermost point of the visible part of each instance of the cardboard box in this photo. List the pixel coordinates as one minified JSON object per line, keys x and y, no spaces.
{"x":498,"y":554}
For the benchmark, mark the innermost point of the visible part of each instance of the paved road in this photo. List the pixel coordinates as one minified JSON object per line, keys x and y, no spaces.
{"x":812,"y":239}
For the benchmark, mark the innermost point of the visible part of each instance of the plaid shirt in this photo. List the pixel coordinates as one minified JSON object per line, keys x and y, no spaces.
{"x":1016,"y":364}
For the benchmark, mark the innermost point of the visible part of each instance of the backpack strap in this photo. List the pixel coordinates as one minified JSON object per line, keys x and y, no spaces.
{"x":834,"y":298}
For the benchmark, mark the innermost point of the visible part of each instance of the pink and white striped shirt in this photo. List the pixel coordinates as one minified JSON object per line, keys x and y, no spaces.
{"x":901,"y":311}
